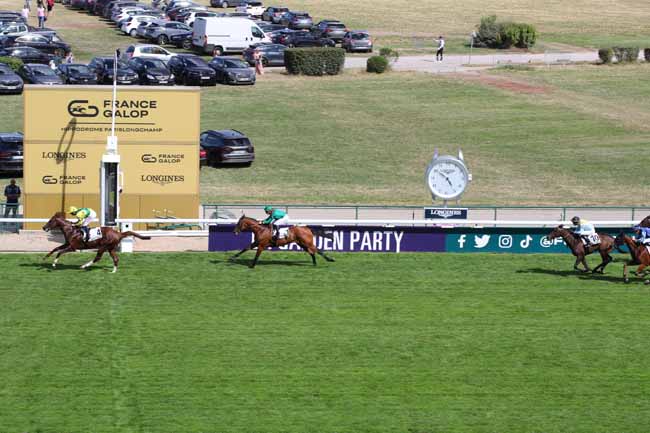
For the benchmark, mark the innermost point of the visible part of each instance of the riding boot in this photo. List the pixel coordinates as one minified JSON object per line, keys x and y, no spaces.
{"x":86,"y":231}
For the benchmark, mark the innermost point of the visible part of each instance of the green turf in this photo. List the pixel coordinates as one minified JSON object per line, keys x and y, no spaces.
{"x":371,"y":343}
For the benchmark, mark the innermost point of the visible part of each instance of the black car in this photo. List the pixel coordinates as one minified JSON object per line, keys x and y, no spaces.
{"x":103,"y":69}
{"x":190,"y":69}
{"x":10,"y":82}
{"x":182,"y":40}
{"x":305,"y":39}
{"x":152,"y":71}
{"x":36,"y":73}
{"x":271,"y":54}
{"x":278,"y":36}
{"x":46,"y":43}
{"x":11,"y":152}
{"x":232,"y":70}
{"x":269,"y":27}
{"x":296,"y":20}
{"x":227,"y":147}
{"x":27,"y":55}
{"x":76,"y":73}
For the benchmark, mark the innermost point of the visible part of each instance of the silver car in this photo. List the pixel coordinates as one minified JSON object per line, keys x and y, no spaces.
{"x":357,"y":41}
{"x":161,"y":31}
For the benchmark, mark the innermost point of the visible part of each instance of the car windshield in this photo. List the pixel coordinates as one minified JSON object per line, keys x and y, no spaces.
{"x":236,"y":64}
{"x":360,"y":36}
{"x":196,"y":61}
{"x":336,"y":26}
{"x":237,"y":142}
{"x":153,"y":63}
{"x":81,"y":69}
{"x":44,"y":72}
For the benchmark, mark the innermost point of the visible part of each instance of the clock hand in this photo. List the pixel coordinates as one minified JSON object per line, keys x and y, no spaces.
{"x":447,"y":179}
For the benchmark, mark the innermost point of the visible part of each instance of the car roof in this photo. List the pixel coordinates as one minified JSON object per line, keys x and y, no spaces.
{"x":225,"y":133}
{"x":11,"y":136}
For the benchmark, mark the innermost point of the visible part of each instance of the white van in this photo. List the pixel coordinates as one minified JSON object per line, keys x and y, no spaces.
{"x":218,"y":35}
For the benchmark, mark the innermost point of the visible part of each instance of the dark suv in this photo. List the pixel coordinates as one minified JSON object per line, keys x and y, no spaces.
{"x":332,"y":29}
{"x":11,"y":152}
{"x":227,"y":147}
{"x":190,"y":69}
{"x":296,"y":20}
{"x":227,"y":3}
{"x":306,"y":39}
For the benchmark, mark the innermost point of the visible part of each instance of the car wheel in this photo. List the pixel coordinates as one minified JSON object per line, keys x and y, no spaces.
{"x":217,"y":51}
{"x":224,"y":5}
{"x":212,"y":160}
{"x":162,"y":40}
{"x":187,"y":44}
{"x":133,"y":33}
{"x":248,"y":164}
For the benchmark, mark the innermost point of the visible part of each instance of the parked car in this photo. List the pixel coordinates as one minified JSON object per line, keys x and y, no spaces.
{"x":203,"y":157}
{"x":251,"y":8}
{"x":227,"y":146}
{"x":27,"y":55}
{"x":296,"y":20}
{"x":148,"y":51}
{"x":141,"y":30}
{"x":272,"y":54}
{"x":357,"y":41}
{"x":152,"y":71}
{"x":306,"y":39}
{"x":232,"y":70}
{"x":161,"y":31}
{"x":40,"y":41}
{"x":103,"y":68}
{"x":14,"y":29}
{"x":76,"y":73}
{"x":192,"y":16}
{"x":274,"y":13}
{"x":10,"y":82}
{"x":331,"y":29}
{"x":77,"y":4}
{"x":173,"y":14}
{"x":130,"y":26}
{"x":36,"y":73}
{"x":278,"y":36}
{"x":190,"y":69}
{"x":269,"y":27}
{"x":11,"y":152}
{"x":226,"y":3}
{"x":182,"y":40}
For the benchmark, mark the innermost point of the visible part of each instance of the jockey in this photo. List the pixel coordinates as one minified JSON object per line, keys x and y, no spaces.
{"x":276,"y":218}
{"x":584,"y":229}
{"x":643,"y":235}
{"x":85,"y":216}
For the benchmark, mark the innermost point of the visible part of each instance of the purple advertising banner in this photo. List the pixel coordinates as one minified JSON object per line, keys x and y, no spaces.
{"x":345,"y":238}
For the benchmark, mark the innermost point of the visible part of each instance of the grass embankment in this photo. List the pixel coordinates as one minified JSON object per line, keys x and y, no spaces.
{"x":371,"y":343}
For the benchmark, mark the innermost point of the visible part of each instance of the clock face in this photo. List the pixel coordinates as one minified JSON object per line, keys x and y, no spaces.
{"x":447,"y":177}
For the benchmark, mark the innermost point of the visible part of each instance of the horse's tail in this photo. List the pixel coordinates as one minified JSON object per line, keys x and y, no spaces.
{"x":127,"y":234}
{"x":317,"y":231}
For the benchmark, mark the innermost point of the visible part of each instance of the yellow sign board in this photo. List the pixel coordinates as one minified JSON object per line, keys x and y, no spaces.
{"x":66,"y":128}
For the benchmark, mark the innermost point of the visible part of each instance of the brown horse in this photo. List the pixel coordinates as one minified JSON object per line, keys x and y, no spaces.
{"x":577,"y":248}
{"x":645,"y":222}
{"x":74,"y":240}
{"x":302,"y":235}
{"x":640,"y":255}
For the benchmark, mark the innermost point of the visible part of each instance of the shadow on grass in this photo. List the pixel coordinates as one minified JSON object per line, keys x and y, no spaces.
{"x":47,"y":266}
{"x":246,"y":262}
{"x":572,"y":273}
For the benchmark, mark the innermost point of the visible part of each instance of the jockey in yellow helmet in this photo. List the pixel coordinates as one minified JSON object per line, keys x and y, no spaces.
{"x":85,"y":216}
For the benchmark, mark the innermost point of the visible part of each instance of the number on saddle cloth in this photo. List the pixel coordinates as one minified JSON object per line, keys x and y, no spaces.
{"x":594,"y":239}
{"x":283,"y":232}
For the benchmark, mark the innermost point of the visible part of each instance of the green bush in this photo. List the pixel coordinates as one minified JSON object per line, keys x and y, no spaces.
{"x":12,"y":62}
{"x":389,"y":53}
{"x":626,"y":54}
{"x":377,"y":64}
{"x":646,"y":54}
{"x":492,"y":34}
{"x":314,"y":61}
{"x":606,"y":55}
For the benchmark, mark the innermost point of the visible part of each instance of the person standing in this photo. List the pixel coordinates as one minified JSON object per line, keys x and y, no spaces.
{"x":25,"y":12}
{"x":12,"y":194}
{"x":40,"y":11}
{"x":50,"y":6}
{"x":441,"y":48}
{"x":257,"y":57}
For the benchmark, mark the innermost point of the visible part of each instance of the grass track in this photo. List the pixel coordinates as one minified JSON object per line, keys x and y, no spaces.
{"x":371,"y":343}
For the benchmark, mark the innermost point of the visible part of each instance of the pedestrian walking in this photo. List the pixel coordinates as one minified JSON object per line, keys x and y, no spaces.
{"x":69,"y":58}
{"x":25,"y":12}
{"x":50,"y":6}
{"x":257,"y":57}
{"x":441,"y":48}
{"x":40,"y":11}
{"x":12,"y":194}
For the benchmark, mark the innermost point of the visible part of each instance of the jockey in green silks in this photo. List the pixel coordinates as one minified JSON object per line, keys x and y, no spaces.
{"x":85,"y":216}
{"x":276,"y":218}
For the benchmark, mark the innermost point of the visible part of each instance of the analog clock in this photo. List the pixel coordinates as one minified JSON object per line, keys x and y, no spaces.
{"x":447,"y":177}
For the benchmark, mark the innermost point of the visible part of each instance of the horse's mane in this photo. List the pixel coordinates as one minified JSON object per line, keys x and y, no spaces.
{"x":59,"y":215}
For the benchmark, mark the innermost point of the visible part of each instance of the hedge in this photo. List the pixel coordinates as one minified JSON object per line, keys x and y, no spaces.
{"x":377,"y":64}
{"x":12,"y":62}
{"x":626,"y":54}
{"x":492,"y":34}
{"x":314,"y":61}
{"x":606,"y":55}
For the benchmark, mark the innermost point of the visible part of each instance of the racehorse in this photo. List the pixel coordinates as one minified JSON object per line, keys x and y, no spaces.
{"x":640,"y":254}
{"x":645,"y":222}
{"x":74,"y":240}
{"x":302,"y":235}
{"x":577,"y":248}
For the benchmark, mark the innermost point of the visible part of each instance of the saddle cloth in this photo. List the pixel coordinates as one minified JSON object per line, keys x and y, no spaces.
{"x":594,"y":239}
{"x":283,"y":232}
{"x":95,"y":233}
